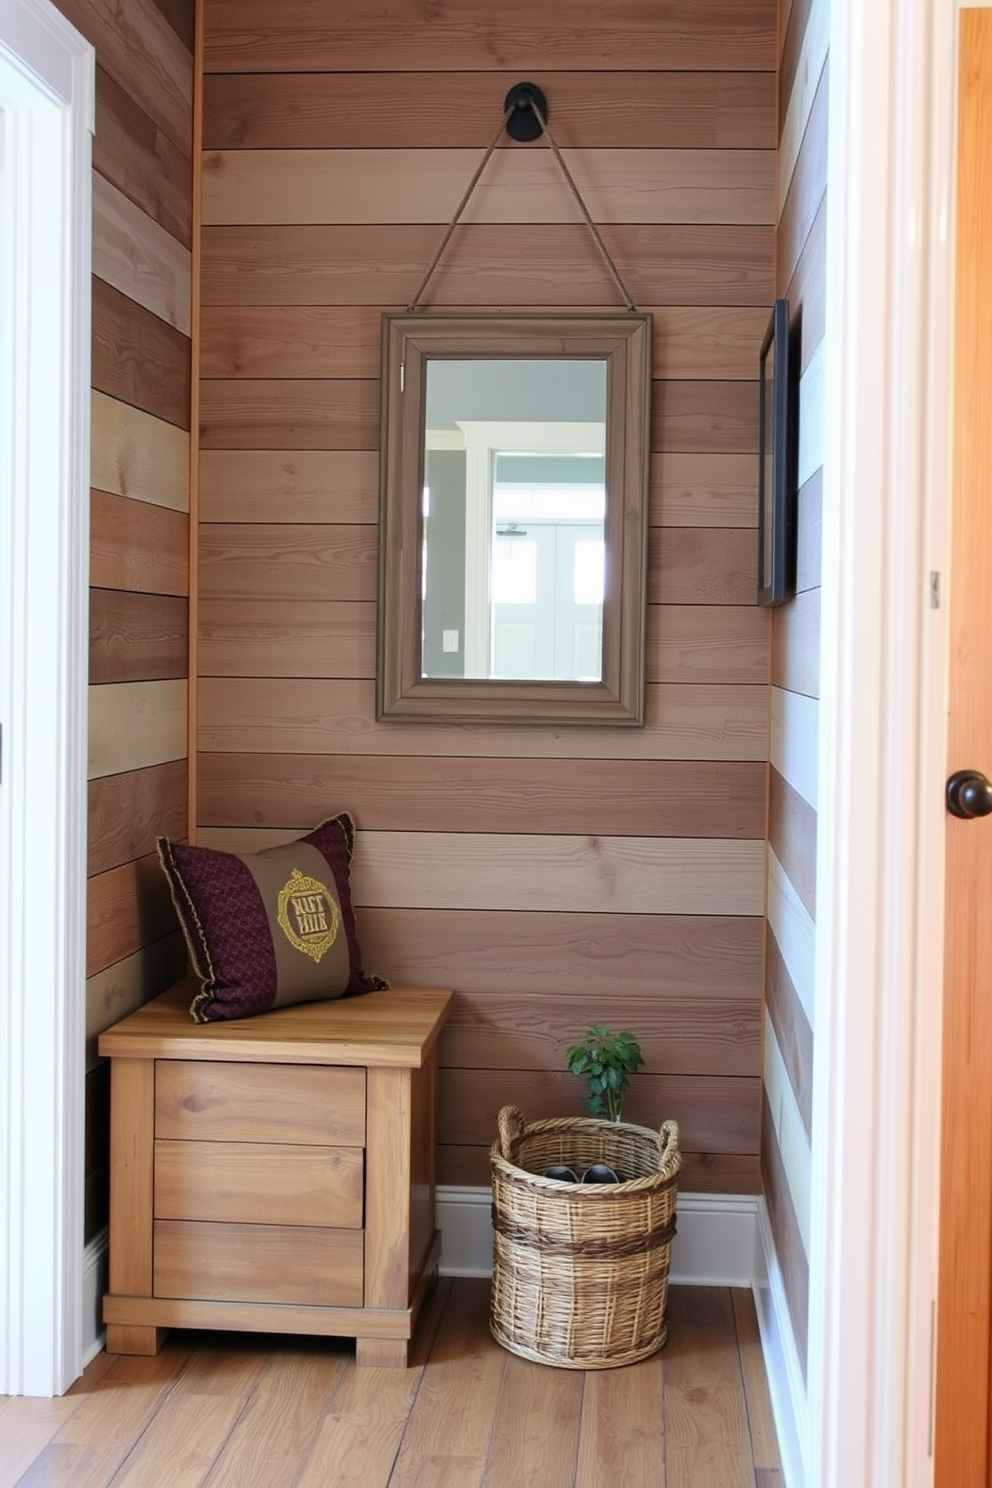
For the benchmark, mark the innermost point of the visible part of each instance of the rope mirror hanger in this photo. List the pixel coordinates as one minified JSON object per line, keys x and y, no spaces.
{"x":525,"y":117}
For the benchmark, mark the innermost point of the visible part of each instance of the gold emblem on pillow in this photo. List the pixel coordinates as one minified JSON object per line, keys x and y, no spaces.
{"x":308,"y":915}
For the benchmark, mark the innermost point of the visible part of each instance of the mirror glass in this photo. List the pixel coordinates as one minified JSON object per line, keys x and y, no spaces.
{"x":513,"y":517}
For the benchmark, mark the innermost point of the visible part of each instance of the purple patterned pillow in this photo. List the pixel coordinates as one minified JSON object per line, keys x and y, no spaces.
{"x":270,"y":928}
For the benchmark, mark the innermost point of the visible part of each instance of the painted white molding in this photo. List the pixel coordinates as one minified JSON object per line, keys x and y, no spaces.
{"x":879,"y":869}
{"x":785,"y":1380}
{"x":96,"y":1285}
{"x":47,"y":79}
{"x":715,"y":1244}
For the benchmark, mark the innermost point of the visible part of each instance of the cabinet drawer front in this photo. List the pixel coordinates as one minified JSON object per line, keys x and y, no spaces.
{"x":301,"y":1264}
{"x":251,"y":1182}
{"x":220,"y":1102}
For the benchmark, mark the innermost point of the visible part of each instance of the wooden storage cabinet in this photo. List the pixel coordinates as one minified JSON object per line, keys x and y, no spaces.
{"x":274,"y":1173}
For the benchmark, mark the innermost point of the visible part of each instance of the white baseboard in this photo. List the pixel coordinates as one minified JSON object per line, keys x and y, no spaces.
{"x":716,"y":1243}
{"x":782,"y":1366}
{"x":95,"y":1284}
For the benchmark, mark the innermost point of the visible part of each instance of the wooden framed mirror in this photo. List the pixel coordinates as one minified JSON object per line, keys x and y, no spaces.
{"x":513,"y":518}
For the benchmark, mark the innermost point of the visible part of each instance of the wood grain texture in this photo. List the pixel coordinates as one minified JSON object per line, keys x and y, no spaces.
{"x":409,"y":185}
{"x":328,"y":563}
{"x":289,"y":413}
{"x":134,"y":454}
{"x":249,"y":1182}
{"x":137,"y":637}
{"x":427,"y":110}
{"x":715,"y":1113}
{"x":126,"y":907}
{"x":137,"y":546}
{"x":216,"y":1102}
{"x":792,"y":837}
{"x":145,"y":56}
{"x":703,"y":489}
{"x":180,"y":15}
{"x":127,"y":812}
{"x":274,"y":715}
{"x":135,"y":724}
{"x":498,"y":264}
{"x":138,"y":358}
{"x":707,"y":643}
{"x":536,"y":1426}
{"x":138,"y":257}
{"x":706,"y":417}
{"x":245,"y":36}
{"x":117,"y":990}
{"x":690,"y":341}
{"x":620,"y":1440}
{"x":137,"y":156}
{"x":297,"y":485}
{"x":297,"y":1264}
{"x":527,"y":957}
{"x":649,"y":798}
{"x":706,"y":566}
{"x":706,"y":1436}
{"x":761,"y":1425}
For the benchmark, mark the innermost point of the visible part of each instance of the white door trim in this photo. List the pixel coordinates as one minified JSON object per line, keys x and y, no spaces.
{"x":46,"y":123}
{"x":883,"y":681}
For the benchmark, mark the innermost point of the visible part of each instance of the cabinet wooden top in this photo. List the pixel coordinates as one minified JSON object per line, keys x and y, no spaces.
{"x":393,"y":1027}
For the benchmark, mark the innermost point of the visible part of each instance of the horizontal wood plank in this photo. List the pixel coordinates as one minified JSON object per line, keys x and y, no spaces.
{"x":325,"y":638}
{"x":137,"y":637}
{"x":316,"y":413}
{"x":145,"y":56}
{"x":792,"y":1030}
{"x":295,"y":485}
{"x":134,"y":454}
{"x":685,"y":1037}
{"x":427,"y":110}
{"x":409,"y":185}
{"x":126,"y":907}
{"x":135,"y":724}
{"x":289,"y":341}
{"x":705,"y":417}
{"x":138,"y":157}
{"x":299,"y":1264}
{"x":249,"y":1182}
{"x":126,"y":813}
{"x":702,"y":565}
{"x":792,"y":837}
{"x":273,"y":562}
{"x":138,"y":257}
{"x":648,"y":798}
{"x":796,"y":644}
{"x":642,"y":958}
{"x":248,"y":36}
{"x":117,"y":990}
{"x":632,"y":875}
{"x":137,"y":546}
{"x":215,"y":1101}
{"x":138,"y":358}
{"x":484,"y":266}
{"x":704,"y":488}
{"x":808,"y":184}
{"x":714,"y":1113}
{"x":272,"y":715}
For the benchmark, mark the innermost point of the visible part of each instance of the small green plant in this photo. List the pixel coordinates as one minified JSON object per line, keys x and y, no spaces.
{"x":606,"y":1061}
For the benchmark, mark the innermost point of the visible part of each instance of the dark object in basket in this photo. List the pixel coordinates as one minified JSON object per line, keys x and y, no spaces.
{"x":580,"y":1270}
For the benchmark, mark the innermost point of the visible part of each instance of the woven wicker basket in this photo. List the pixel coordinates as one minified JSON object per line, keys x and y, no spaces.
{"x":580,"y":1270}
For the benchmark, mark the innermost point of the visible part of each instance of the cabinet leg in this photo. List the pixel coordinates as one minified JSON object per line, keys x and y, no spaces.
{"x":382,"y":1353}
{"x":134,"y":1338}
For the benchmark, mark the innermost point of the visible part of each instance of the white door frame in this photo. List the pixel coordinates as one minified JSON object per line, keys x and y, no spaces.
{"x":883,"y":685}
{"x":47,"y":81}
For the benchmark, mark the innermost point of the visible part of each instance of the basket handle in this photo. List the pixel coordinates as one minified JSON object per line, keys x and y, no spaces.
{"x":669,"y":1133}
{"x":511,"y":1127}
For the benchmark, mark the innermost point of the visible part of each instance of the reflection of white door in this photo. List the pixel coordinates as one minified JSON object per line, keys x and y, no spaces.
{"x":547,"y":594}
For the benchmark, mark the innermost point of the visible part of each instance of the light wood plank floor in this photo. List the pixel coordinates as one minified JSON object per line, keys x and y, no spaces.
{"x":251,"y":1411}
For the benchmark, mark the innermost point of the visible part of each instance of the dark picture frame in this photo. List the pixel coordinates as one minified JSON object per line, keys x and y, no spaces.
{"x":776,"y":462}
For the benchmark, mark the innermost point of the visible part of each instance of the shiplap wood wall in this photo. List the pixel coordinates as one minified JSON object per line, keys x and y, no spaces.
{"x":139,"y":572}
{"x":553,"y":877}
{"x":790,"y":941}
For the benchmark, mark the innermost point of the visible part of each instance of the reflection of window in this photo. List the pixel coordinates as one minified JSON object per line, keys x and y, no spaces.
{"x":514,"y":571}
{"x":588,"y":573}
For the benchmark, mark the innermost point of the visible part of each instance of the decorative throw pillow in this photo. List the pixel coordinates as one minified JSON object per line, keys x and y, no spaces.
{"x":270,"y":928}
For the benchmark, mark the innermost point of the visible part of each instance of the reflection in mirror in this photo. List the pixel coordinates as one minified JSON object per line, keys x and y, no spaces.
{"x":513,"y":517}
{"x":514,"y":504}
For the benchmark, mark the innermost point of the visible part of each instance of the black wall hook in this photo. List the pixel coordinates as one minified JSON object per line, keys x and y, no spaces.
{"x":523,"y":124}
